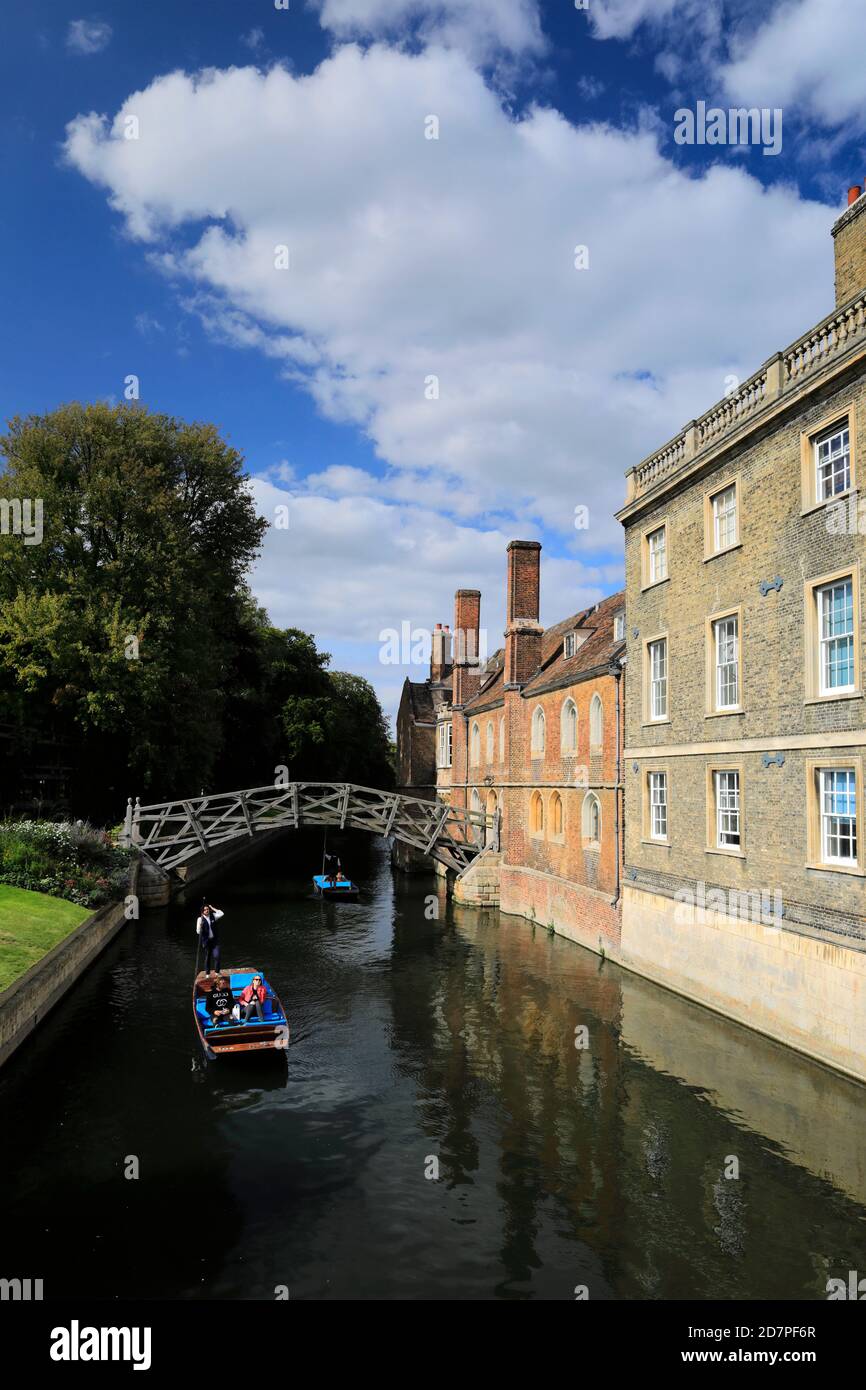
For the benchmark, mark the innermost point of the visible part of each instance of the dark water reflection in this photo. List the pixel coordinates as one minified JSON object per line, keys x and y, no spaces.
{"x":417,"y":1039}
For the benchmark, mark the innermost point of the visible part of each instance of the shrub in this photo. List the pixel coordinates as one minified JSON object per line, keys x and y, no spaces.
{"x":74,"y":861}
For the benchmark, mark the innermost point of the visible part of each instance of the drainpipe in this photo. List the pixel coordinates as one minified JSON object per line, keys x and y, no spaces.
{"x":615,"y":669}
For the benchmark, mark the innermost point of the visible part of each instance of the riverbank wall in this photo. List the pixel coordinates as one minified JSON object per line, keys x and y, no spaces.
{"x":34,"y":994}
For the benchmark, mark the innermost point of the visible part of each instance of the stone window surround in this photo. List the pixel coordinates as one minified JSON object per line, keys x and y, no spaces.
{"x":710,"y":551}
{"x":813,"y":816}
{"x":586,"y":841}
{"x":596,"y":736}
{"x":659,"y":524}
{"x":712,"y":712}
{"x":647,"y":837}
{"x":843,"y":414}
{"x":537,"y":721}
{"x":712,"y":846}
{"x":557,"y":836}
{"x":646,"y":682}
{"x":811,"y":663}
{"x":568,"y":748}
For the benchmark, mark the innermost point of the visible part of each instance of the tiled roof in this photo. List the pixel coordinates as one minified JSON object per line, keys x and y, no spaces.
{"x":596,"y":650}
{"x":421,"y":697}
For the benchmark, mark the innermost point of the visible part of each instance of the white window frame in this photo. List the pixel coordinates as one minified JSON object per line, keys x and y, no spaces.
{"x":727,"y":805}
{"x":826,"y":776}
{"x":445,"y":734}
{"x":722,"y":666}
{"x":657,"y":805}
{"x":568,"y":647}
{"x":619,"y":627}
{"x":475,"y":744}
{"x":490,"y":741}
{"x":721,"y":517}
{"x":826,"y":642}
{"x":657,"y":682}
{"x":839,"y":432}
{"x":655,"y":575}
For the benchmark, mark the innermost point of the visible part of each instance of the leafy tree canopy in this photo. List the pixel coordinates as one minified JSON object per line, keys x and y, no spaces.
{"x":129,"y":635}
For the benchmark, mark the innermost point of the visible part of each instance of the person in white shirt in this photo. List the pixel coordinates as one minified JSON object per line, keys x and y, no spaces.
{"x":206,"y":927}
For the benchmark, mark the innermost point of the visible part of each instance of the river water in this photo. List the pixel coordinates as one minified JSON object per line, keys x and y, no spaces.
{"x":669,"y":1154}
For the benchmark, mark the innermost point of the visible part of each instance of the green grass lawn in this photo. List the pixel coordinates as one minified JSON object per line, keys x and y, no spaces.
{"x":30,"y":924}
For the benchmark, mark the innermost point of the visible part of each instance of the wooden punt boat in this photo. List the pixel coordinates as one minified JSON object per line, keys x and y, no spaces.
{"x":236,"y":1036}
{"x":335,"y":892}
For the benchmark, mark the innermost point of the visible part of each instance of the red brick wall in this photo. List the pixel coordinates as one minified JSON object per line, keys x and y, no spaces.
{"x":559,"y":869}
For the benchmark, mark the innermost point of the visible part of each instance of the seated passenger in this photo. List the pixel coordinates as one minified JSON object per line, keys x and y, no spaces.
{"x":341,"y":877}
{"x":219,"y":1002}
{"x":253,"y":997}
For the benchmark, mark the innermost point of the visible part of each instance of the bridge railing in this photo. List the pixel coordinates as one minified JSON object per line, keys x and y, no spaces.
{"x":172,"y":832}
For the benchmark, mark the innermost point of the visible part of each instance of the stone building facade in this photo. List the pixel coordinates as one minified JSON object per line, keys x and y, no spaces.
{"x":745,"y":730}
{"x":534,"y":734}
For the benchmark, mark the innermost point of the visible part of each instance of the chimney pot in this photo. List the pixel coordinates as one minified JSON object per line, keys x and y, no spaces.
{"x":854,"y":193}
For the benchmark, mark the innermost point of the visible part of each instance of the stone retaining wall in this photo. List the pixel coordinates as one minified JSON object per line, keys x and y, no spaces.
{"x":26,"y":1002}
{"x":478,"y":886}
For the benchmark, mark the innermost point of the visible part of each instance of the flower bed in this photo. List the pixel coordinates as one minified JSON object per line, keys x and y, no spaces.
{"x":67,"y":860}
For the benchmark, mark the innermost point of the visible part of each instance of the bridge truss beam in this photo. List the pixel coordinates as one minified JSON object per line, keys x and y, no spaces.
{"x":173,"y":832}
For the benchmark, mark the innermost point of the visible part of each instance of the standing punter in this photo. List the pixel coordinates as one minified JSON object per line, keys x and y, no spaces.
{"x":206,"y":926}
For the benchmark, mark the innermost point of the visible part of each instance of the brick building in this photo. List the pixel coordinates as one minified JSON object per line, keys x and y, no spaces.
{"x":534,"y":734}
{"x":745,"y":729}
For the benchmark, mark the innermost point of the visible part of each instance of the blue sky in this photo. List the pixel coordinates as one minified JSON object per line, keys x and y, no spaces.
{"x":412,"y":258}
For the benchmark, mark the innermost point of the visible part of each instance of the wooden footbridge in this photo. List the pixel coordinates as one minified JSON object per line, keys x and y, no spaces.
{"x":174,"y":832}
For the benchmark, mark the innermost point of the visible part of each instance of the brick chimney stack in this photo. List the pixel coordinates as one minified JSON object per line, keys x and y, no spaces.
{"x":440,"y":652}
{"x":849,"y":245}
{"x":523,"y":630}
{"x":466,"y":676}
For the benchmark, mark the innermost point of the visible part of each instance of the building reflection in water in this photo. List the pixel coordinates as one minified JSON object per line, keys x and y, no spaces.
{"x":617,"y":1152}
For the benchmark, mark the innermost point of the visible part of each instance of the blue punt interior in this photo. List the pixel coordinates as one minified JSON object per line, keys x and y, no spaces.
{"x":239,"y":981}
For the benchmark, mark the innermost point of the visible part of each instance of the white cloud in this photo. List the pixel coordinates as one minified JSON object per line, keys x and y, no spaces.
{"x":481,"y":28}
{"x":618,"y":19}
{"x":455,"y":257}
{"x":412,"y":258}
{"x":88,"y":35}
{"x":804,"y":56}
{"x":254,"y":39}
{"x":350,"y":567}
{"x":807,"y":56}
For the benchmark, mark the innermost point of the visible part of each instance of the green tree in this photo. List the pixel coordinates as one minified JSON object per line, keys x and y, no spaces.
{"x":118,"y":627}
